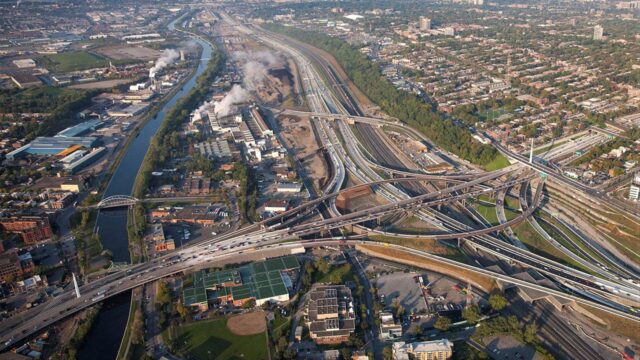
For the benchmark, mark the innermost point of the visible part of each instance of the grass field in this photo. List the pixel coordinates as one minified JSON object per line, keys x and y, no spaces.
{"x":498,"y":163}
{"x":74,"y":61}
{"x":206,"y":340}
{"x":489,"y":213}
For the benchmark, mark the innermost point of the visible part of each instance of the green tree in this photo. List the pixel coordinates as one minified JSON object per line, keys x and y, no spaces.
{"x":471,"y":314}
{"x":497,"y":302}
{"x":530,"y":333}
{"x":442,"y":323}
{"x":182,"y":311}
{"x":322,"y":265}
{"x":387,"y":353}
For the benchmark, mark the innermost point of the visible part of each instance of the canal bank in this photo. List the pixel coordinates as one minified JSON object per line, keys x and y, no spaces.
{"x":104,"y":338}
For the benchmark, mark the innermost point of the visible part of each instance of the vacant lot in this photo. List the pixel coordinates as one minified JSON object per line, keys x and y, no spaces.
{"x":213,"y":340}
{"x":248,"y":324}
{"x":129,"y":52}
{"x":298,"y":135}
{"x":107,"y":84}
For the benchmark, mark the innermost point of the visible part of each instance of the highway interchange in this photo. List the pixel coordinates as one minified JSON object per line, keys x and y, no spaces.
{"x":350,"y":158}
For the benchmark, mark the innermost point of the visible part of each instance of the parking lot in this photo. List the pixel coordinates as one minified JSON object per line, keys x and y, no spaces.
{"x":404,"y":288}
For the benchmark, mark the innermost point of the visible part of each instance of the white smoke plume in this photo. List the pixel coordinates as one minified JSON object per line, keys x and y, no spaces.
{"x":237,"y":94}
{"x":255,"y":70}
{"x":167,"y":57}
{"x":255,"y":67}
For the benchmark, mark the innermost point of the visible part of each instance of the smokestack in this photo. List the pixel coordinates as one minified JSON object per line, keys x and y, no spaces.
{"x":181,"y":55}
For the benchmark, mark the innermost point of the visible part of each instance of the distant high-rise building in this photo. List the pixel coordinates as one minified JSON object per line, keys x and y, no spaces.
{"x":598,"y":31}
{"x":425,"y":23}
{"x":634,"y":189}
{"x":449,"y":31}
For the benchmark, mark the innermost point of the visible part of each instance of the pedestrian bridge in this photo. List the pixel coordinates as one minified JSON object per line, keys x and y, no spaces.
{"x":116,"y":201}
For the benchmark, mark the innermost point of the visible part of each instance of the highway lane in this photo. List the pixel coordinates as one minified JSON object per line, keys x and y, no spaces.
{"x":348,"y":139}
{"x":571,"y":254}
{"x":502,"y":217}
{"x":626,"y":209}
{"x":205,"y":255}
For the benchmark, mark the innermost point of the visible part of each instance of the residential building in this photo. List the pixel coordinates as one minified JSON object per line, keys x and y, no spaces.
{"x":424,"y":350}
{"x":10,"y":265}
{"x":388,"y":327}
{"x":425,"y":24}
{"x":32,"y":229}
{"x":330,"y":314}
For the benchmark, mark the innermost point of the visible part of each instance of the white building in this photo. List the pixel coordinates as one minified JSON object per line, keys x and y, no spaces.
{"x":423,"y":350}
{"x":634,"y":189}
{"x":425,"y":24}
{"x":598,"y":31}
{"x":288,"y":187}
{"x":388,"y":328}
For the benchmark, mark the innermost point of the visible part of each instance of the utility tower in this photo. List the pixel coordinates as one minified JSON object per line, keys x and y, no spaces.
{"x":531,"y":153}
{"x":75,"y":285}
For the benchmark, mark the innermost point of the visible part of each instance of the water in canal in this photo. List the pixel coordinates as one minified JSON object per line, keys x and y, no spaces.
{"x":103,"y":340}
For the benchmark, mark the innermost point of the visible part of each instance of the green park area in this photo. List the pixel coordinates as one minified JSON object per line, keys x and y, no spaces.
{"x":213,"y":340}
{"x":76,"y":61}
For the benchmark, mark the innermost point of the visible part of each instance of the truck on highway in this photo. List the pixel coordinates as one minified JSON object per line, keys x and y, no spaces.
{"x":97,"y":298}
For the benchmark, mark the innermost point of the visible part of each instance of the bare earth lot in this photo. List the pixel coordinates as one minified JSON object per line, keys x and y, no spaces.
{"x":248,"y":324}
{"x":298,"y":135}
{"x":129,"y":52}
{"x":107,"y":84}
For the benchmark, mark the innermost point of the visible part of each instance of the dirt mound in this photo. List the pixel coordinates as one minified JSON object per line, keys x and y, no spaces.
{"x":248,"y":324}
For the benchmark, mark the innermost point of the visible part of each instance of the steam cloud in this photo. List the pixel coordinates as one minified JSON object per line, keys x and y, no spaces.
{"x":167,"y":57}
{"x":256,"y":67}
{"x":236,"y":95}
{"x":255,"y":70}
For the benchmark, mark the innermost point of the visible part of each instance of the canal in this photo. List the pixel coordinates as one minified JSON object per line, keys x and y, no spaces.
{"x":103,"y":341}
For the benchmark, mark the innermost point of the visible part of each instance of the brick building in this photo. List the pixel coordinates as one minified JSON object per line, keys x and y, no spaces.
{"x":32,"y":229}
{"x":331,"y":318}
{"x":10,"y":265}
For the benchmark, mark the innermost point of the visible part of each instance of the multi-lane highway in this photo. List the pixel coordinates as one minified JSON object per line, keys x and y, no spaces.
{"x":347,"y":157}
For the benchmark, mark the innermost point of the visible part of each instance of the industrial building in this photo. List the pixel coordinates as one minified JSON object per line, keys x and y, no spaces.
{"x":330,"y":314}
{"x":214,"y":149}
{"x":276,"y":206}
{"x":52,"y":145}
{"x":128,"y":111}
{"x":85,"y":160}
{"x":80,"y":129}
{"x":423,"y":350}
{"x":288,"y":187}
{"x":262,"y":281}
{"x":25,"y":80}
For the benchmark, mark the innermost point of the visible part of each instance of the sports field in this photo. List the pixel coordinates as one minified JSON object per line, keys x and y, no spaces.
{"x":206,"y":340}
{"x":74,"y":61}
